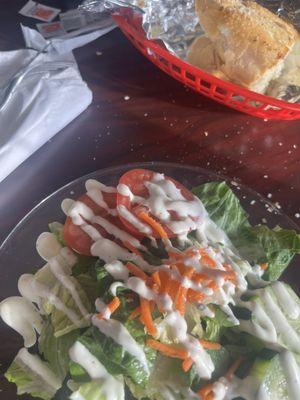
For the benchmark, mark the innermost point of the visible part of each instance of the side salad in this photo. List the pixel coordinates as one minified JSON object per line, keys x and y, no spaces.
{"x":154,"y":292}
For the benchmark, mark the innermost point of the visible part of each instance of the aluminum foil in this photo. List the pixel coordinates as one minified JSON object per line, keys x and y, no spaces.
{"x":176,"y":24}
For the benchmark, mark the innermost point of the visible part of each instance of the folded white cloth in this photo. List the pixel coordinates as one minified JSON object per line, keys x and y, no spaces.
{"x":50,"y":96}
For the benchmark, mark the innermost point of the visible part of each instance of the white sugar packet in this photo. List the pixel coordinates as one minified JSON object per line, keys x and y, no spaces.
{"x":39,"y":11}
{"x":37,"y":108}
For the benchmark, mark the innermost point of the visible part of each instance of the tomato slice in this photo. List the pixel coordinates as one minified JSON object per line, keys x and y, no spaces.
{"x":135,"y":179}
{"x":75,"y":237}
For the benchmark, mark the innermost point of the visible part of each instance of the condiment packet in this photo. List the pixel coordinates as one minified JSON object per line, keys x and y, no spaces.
{"x":51,"y":29}
{"x":77,"y":19}
{"x":39,"y":11}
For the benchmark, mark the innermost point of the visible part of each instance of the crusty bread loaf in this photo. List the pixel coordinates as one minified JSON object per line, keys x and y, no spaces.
{"x":203,"y":55}
{"x":250,"y":41}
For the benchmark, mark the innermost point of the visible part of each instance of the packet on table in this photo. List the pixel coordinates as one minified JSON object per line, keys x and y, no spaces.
{"x":39,"y":11}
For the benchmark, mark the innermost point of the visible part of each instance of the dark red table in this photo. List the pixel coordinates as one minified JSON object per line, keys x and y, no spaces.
{"x":162,"y":121}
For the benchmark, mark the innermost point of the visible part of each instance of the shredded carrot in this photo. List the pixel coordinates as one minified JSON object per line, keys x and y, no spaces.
{"x":210,"y":345}
{"x":156,"y":226}
{"x":205,"y":259}
{"x":186,"y":364}
{"x":146,"y":316}
{"x":205,"y":391}
{"x":182,"y":291}
{"x":200,"y":277}
{"x":173,"y":289}
{"x":112,"y":306}
{"x":137,"y":271}
{"x":177,"y":256}
{"x":156,"y":278}
{"x":194,"y":297}
{"x":135,"y":313}
{"x":167,"y":350}
{"x":132,"y":248}
{"x":233,"y":368}
{"x":264,"y":266}
{"x":212,"y":285}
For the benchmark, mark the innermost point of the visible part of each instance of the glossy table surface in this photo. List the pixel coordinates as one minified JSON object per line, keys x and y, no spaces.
{"x":161,"y":121}
{"x":140,"y":114}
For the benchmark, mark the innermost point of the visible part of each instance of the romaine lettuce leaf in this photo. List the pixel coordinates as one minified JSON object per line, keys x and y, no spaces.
{"x":62,"y":301}
{"x":276,"y":247}
{"x":100,"y":389}
{"x":57,"y":229}
{"x":275,"y":316}
{"x":55,"y":349}
{"x":115,"y":358}
{"x":33,"y":376}
{"x":59,"y":320}
{"x":167,"y":381}
{"x":214,"y":327}
{"x":223,"y":206}
{"x":258,"y":244}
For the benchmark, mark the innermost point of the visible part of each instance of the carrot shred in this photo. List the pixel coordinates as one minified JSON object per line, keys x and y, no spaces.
{"x":264,"y":266}
{"x":135,"y":313}
{"x":136,"y":271}
{"x":212,"y":285}
{"x":112,"y":306}
{"x":194,"y":297}
{"x":233,"y":368}
{"x":210,"y":345}
{"x":186,"y":364}
{"x":206,"y":259}
{"x":156,"y":226}
{"x":156,"y":278}
{"x":146,"y":316}
{"x":205,"y":391}
{"x":167,"y":350}
{"x":173,"y":289}
{"x":182,"y":291}
{"x":132,"y":248}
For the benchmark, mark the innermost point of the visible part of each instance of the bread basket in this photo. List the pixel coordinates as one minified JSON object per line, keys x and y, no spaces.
{"x":227,"y":93}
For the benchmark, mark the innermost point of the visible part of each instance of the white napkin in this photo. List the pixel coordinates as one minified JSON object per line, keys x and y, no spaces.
{"x":49,"y":97}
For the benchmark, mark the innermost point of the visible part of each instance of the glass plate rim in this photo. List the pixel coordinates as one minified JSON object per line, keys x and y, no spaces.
{"x":146,"y":164}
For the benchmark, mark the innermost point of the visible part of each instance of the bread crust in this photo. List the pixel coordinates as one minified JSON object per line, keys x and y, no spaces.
{"x":249,"y":39}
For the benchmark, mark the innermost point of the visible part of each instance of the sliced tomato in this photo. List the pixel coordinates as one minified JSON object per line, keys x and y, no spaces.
{"x":75,"y":237}
{"x":135,"y":180}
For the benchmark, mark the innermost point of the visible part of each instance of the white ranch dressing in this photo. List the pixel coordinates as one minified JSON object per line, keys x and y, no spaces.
{"x":178,"y":326}
{"x":22,"y":316}
{"x":80,"y":213}
{"x":34,"y":291}
{"x":133,"y":220}
{"x":39,"y":368}
{"x":108,"y":385}
{"x":67,"y":282}
{"x":117,"y":331}
{"x":285,"y":300}
{"x":269,"y":321}
{"x":47,"y":245}
{"x":117,"y":270}
{"x":102,"y":308}
{"x":292,"y":373}
{"x":163,"y":197}
{"x":94,"y":191}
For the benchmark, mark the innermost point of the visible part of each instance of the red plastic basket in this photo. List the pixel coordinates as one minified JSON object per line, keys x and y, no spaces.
{"x":227,"y":93}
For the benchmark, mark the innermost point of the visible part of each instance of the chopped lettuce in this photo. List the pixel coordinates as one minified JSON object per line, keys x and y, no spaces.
{"x":61,"y":323}
{"x":258,"y":244}
{"x":223,"y":206}
{"x":57,"y":229}
{"x":276,"y":247}
{"x":214,"y":327}
{"x":115,"y":358}
{"x":55,"y":349}
{"x":100,"y":389}
{"x":33,"y":376}
{"x":167,"y":381}
{"x":275,"y":316}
